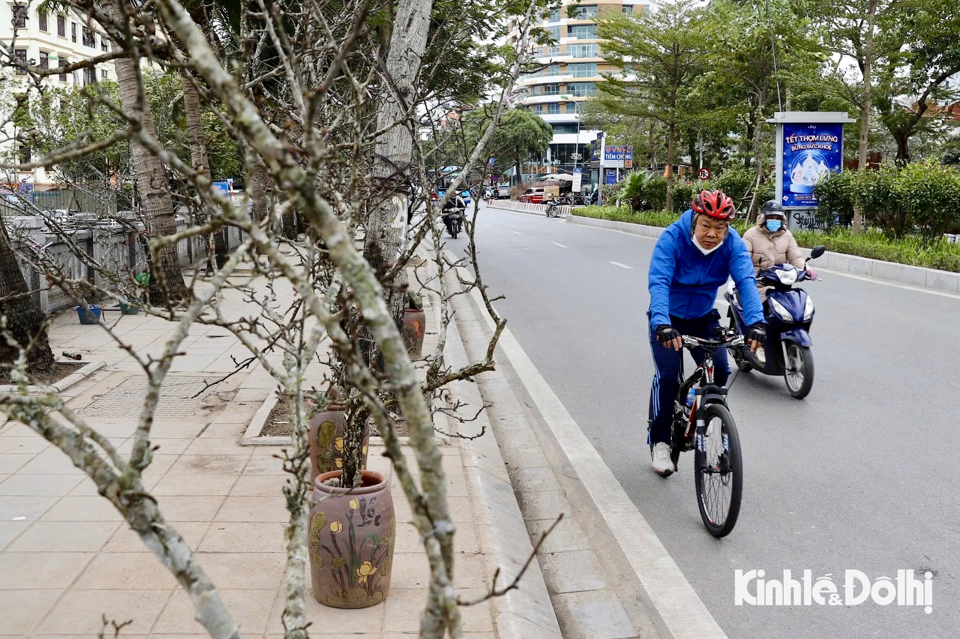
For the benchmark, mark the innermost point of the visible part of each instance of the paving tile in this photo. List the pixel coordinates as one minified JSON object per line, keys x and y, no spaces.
{"x":24,"y":508}
{"x":190,"y":508}
{"x":65,"y":536}
{"x":254,"y":509}
{"x":80,"y":611}
{"x":333,"y":621}
{"x":572,"y":571}
{"x":22,"y":610}
{"x":170,"y":446}
{"x":83,"y":508}
{"x":239,"y":537}
{"x":527,"y":480}
{"x":212,"y":446}
{"x":592,"y":615}
{"x":172,"y":484}
{"x":12,"y":462}
{"x":218,"y":430}
{"x":39,"y":485}
{"x":9,"y":531}
{"x":210,"y":464}
{"x":41,"y":570}
{"x":403,"y":608}
{"x":50,"y":462}
{"x":31,"y":444}
{"x":126,"y":540}
{"x":566,"y":536}
{"x":244,"y":571}
{"x":264,"y":465}
{"x":258,"y":485}
{"x":126,"y":571}
{"x":250,"y":609}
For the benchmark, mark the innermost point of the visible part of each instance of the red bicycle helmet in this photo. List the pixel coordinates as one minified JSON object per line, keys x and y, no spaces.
{"x":716,"y":204}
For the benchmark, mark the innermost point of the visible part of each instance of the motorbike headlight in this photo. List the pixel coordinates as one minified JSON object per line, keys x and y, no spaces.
{"x":808,"y":309}
{"x":780,"y":310}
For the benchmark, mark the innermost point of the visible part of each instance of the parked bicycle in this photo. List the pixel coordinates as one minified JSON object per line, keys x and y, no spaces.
{"x":702,"y":422}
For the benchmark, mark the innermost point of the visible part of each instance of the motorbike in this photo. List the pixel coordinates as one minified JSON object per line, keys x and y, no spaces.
{"x":453,"y":219}
{"x":789,"y":313}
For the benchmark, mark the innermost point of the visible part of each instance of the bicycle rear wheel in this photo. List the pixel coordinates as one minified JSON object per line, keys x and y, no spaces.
{"x":719,"y":471}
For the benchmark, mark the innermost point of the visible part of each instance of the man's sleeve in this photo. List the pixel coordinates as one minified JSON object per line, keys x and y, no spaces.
{"x":741,"y":270}
{"x":662,"y":266}
{"x":794,"y":256}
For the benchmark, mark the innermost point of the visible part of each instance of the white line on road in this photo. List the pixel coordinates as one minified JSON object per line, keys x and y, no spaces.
{"x":674,"y":599}
{"x":561,"y":245}
{"x":622,"y":265}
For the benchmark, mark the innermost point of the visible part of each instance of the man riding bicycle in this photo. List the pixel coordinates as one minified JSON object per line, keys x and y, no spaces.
{"x":692,"y":259}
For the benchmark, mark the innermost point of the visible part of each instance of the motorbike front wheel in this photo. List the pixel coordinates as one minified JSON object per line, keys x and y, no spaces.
{"x":798,"y":370}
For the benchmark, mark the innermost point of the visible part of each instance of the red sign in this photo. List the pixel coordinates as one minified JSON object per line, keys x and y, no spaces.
{"x":704,"y":173}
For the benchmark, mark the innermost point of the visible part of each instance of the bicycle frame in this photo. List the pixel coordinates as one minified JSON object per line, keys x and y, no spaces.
{"x":708,"y":392}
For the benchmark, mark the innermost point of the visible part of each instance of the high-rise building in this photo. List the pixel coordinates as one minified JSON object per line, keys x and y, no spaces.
{"x":47,"y":39}
{"x":571,"y":70}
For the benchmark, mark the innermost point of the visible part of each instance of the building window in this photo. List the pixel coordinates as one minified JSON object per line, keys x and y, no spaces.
{"x":44,"y":60}
{"x":554,"y":32}
{"x":89,"y":76}
{"x":19,"y":16}
{"x":583,"y":70}
{"x":25,"y":155}
{"x":73,"y":31}
{"x":536,"y":108}
{"x":42,"y":20}
{"x":555,"y":50}
{"x":582,"y":89}
{"x":103,"y":74}
{"x":62,"y":26}
{"x":583,"y":31}
{"x":103,"y":44}
{"x":551,"y":89}
{"x":573,"y":107}
{"x":21,"y":57}
{"x":553,"y":108}
{"x":588,"y":12}
{"x":63,"y":74}
{"x":564,"y":128}
{"x":89,"y":40}
{"x":627,"y":8}
{"x":553,"y":16}
{"x":582,"y":50}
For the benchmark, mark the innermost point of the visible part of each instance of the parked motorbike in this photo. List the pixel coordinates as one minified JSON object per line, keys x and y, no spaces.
{"x":789,"y":314}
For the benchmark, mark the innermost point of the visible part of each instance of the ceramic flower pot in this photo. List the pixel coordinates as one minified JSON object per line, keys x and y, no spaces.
{"x":327,"y":430}
{"x":414,"y":328}
{"x":351,"y":542}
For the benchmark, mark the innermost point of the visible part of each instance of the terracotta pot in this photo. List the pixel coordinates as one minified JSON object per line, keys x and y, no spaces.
{"x":414,"y":328}
{"x":351,"y":542}
{"x":326,"y":441}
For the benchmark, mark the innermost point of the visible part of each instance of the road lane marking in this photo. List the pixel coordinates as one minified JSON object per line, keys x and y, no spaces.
{"x":561,"y":245}
{"x":678,"y":605}
{"x":622,"y":265}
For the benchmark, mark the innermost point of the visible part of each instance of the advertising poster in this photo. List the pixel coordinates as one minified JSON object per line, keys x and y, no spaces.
{"x":810,"y":151}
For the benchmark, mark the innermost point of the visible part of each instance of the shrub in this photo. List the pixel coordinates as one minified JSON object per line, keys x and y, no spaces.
{"x":836,"y":196}
{"x":736,"y":182}
{"x":929,"y":195}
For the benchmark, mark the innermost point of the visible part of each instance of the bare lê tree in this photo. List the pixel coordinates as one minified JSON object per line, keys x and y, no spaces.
{"x":327,"y":106}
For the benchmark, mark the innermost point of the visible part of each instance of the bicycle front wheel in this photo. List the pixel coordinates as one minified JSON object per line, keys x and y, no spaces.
{"x":719,"y":471}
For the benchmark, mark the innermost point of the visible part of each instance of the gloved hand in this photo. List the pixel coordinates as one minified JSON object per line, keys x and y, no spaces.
{"x":669,"y":336}
{"x":756,"y":335}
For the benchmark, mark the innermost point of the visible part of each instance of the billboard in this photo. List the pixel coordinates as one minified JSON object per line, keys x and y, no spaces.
{"x":809,"y":152}
{"x":618,"y":157}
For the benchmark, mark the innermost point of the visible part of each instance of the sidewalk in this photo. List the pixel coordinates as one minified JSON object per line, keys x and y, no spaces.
{"x":66,"y":556}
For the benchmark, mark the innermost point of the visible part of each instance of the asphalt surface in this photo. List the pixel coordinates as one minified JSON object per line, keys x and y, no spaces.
{"x":859,"y":475}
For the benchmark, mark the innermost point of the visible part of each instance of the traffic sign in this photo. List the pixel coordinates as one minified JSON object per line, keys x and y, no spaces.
{"x":704,"y":174}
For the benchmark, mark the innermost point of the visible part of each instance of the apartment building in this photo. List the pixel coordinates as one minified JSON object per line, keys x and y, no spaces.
{"x":48,"y":39}
{"x":571,"y":70}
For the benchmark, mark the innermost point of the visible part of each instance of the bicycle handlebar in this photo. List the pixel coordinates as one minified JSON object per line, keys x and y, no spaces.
{"x":694,"y":342}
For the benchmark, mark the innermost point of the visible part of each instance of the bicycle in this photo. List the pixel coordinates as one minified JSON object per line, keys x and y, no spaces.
{"x":708,"y":428}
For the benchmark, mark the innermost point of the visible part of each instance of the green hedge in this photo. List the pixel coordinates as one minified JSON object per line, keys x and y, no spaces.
{"x":872,"y":244}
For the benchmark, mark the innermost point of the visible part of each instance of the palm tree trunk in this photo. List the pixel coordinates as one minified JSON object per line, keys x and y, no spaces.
{"x":25,"y":320}
{"x":166,"y":282}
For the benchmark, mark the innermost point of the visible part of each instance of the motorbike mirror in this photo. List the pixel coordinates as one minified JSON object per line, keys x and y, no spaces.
{"x":817,"y":251}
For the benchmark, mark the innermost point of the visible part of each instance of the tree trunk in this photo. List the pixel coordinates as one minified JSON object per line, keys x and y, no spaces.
{"x":392,"y":155}
{"x":258,"y":179}
{"x":903,"y":148}
{"x":166,"y":282}
{"x":865,"y":107}
{"x":757,"y":158}
{"x":671,"y":151}
{"x":215,"y":242}
{"x":25,"y":320}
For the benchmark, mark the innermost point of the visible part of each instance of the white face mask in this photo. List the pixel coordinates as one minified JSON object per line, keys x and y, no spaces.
{"x":705,"y":251}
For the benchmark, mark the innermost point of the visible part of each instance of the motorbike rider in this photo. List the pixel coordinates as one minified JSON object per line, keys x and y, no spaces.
{"x":692,"y":259}
{"x":455,"y":205}
{"x":771,"y":242}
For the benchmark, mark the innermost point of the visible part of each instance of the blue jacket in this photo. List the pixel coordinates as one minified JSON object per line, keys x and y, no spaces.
{"x":684,"y":282}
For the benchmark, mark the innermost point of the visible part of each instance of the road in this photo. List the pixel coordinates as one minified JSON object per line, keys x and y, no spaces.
{"x":859,"y":475}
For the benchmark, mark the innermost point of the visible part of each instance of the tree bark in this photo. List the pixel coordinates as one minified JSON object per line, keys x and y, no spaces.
{"x":392,"y":156}
{"x":257,"y":183}
{"x":671,"y":152}
{"x":215,"y":242}
{"x":865,"y":106}
{"x":166,"y":282}
{"x":25,"y":320}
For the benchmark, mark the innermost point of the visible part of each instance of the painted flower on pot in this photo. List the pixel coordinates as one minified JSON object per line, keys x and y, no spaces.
{"x":338,"y":444}
{"x":354,"y":503}
{"x":336,"y":526}
{"x":365,"y":570}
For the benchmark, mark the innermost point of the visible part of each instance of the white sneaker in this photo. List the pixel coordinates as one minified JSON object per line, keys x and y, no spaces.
{"x":662,"y":464}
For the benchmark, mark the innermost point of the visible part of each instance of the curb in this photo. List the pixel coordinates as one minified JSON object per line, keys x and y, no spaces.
{"x":623,"y":540}
{"x":527,"y":611}
{"x":918,"y":276}
{"x":65,"y":383}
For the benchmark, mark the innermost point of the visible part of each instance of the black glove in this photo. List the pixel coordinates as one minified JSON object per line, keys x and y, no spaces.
{"x":756,"y":332}
{"x":666,"y":333}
